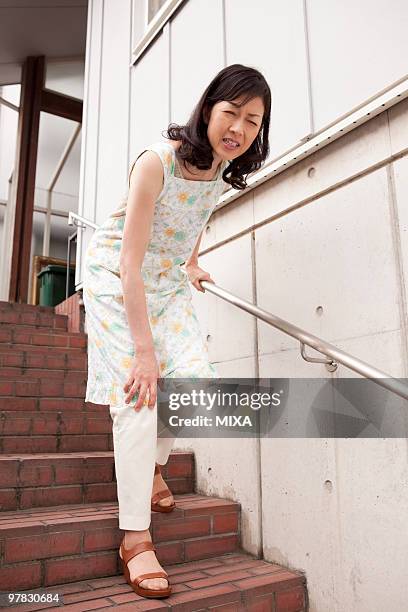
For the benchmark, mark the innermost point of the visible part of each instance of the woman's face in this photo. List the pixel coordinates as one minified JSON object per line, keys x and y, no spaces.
{"x":233,"y":128}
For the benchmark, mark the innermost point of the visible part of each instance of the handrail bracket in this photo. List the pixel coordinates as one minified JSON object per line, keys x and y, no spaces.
{"x":331,"y":365}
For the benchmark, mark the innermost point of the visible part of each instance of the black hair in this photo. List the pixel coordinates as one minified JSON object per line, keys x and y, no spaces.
{"x":229,"y":84}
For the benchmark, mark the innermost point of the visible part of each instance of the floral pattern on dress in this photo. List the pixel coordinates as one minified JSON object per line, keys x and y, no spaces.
{"x":181,"y":211}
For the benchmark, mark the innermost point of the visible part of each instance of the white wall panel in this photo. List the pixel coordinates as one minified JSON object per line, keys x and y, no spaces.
{"x":90,"y":124}
{"x":382,"y":350}
{"x":275,"y":45}
{"x":231,"y":329}
{"x":114,"y":106}
{"x":299,"y":513}
{"x":339,"y":162}
{"x":398,"y":126}
{"x":400,"y":177}
{"x":356,"y":50}
{"x":196,"y":54}
{"x":139,"y":20}
{"x":353,"y":494}
{"x":149,"y":109}
{"x":336,"y":253}
{"x":229,"y":468}
{"x":104,"y":162}
{"x":372,"y":495}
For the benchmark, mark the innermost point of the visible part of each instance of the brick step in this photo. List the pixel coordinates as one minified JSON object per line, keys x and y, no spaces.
{"x":53,"y":422}
{"x":56,"y":444}
{"x":16,"y":306}
{"x":57,"y":404}
{"x":40,"y":357}
{"x":34,"y":317}
{"x":47,"y":546}
{"x":234,"y":582}
{"x":73,"y":385}
{"x":34,"y":374}
{"x":31,"y":335}
{"x":15,"y":346}
{"x":33,"y":481}
{"x":36,"y":320}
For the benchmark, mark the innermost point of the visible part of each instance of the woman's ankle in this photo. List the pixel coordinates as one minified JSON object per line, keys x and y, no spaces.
{"x":136,"y":535}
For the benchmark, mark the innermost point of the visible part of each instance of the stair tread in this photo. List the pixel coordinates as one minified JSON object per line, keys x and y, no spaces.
{"x":7,"y":347}
{"x":67,"y":455}
{"x":23,"y":346}
{"x":8,"y":305}
{"x":37,"y":327}
{"x":46,"y":515}
{"x":81,"y":454}
{"x":69,"y":375}
{"x":54,"y":411}
{"x":16,"y":370}
{"x":236,"y":578}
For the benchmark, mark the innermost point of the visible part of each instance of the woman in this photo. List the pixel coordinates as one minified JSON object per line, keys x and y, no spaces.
{"x":141,"y":322}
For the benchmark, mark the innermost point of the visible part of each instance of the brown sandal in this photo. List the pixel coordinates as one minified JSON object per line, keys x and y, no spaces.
{"x":127,"y":555}
{"x":155,"y":506}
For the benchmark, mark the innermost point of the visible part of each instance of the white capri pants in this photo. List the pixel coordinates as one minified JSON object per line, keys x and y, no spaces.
{"x":137,"y":448}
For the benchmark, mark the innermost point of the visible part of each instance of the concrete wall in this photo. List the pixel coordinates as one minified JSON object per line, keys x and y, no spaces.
{"x":334,"y":508}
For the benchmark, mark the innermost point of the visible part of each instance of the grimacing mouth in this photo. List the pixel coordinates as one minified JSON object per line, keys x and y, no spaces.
{"x":236,"y":143}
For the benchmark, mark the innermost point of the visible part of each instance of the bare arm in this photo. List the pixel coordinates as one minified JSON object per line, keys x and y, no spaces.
{"x":146,"y":183}
{"x":193,"y":259}
{"x":193,"y":270}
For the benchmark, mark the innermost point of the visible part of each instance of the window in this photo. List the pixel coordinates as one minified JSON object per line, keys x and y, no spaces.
{"x":153,"y":7}
{"x":149,"y":18}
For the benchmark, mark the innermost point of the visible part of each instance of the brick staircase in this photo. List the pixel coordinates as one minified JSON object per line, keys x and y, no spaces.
{"x":58,"y":509}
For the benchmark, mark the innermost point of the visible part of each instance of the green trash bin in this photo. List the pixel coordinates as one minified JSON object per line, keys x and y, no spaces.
{"x":52,"y":280}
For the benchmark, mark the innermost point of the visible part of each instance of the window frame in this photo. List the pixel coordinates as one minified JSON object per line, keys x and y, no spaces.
{"x":154,"y":26}
{"x":146,"y":13}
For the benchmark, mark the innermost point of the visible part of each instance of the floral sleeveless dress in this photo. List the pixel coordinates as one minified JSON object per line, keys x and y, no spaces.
{"x":181,"y":212}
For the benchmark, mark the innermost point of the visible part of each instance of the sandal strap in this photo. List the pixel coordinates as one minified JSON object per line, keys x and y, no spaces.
{"x":161,"y":495}
{"x":129,"y":553}
{"x":159,"y":574}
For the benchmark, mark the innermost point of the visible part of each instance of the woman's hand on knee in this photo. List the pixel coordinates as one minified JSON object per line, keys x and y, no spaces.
{"x":142,"y":379}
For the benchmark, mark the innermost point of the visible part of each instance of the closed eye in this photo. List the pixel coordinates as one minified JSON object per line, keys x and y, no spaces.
{"x":232,"y":113}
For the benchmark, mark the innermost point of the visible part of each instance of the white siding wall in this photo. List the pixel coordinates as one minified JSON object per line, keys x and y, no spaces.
{"x":104,"y":161}
{"x":278,"y":50}
{"x":356,"y":50}
{"x":196,"y":54}
{"x":149,"y":110}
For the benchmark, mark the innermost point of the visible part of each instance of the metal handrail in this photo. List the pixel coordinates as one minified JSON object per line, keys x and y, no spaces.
{"x":333,"y":354}
{"x":73,"y":218}
{"x":305,"y":338}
